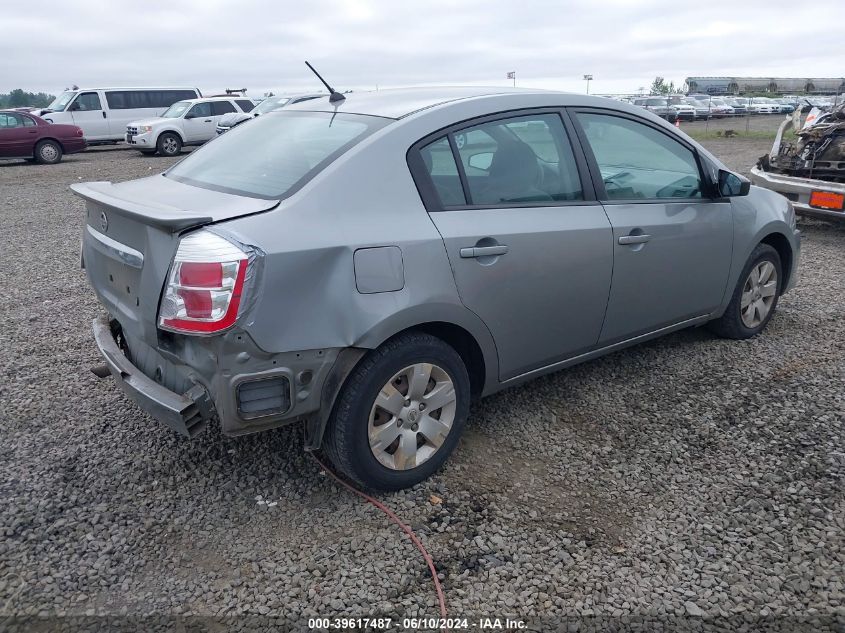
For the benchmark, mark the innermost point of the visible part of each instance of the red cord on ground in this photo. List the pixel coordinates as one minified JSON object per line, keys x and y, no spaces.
{"x":392,"y":516}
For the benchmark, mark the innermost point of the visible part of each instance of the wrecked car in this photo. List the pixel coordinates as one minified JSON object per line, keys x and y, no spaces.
{"x":368,"y":265}
{"x":809,"y":171}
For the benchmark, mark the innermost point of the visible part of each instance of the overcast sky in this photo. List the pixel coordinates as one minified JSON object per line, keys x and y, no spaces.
{"x":364,"y":44}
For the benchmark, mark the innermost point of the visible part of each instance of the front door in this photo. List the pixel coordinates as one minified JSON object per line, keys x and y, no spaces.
{"x":199,"y":124}
{"x":672,"y":242}
{"x":531,"y":251}
{"x":88,"y":113}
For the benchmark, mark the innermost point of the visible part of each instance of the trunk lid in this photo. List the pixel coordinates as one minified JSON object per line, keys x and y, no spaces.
{"x":131,"y":233}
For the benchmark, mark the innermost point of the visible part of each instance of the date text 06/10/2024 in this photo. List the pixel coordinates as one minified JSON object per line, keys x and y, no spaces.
{"x":415,"y":624}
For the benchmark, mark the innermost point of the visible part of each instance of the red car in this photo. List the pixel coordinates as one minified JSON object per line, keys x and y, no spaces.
{"x":24,"y":135}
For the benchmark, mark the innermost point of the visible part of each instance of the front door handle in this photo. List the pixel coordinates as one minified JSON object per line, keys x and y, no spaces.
{"x":207,"y":121}
{"x":634,"y":239}
{"x":484,"y":251}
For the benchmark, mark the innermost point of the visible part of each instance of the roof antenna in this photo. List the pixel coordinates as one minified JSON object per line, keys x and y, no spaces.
{"x":334,"y":95}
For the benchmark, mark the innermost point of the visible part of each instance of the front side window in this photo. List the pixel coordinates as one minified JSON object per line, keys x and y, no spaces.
{"x":222,"y":107}
{"x":200,"y":110}
{"x":276,"y":154}
{"x":526,"y":159}
{"x":87,"y":102}
{"x":637,"y":161}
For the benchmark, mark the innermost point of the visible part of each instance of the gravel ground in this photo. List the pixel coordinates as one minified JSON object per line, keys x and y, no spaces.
{"x":687,"y":476}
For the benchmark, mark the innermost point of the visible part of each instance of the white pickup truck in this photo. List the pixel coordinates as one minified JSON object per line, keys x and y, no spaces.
{"x":188,"y":122}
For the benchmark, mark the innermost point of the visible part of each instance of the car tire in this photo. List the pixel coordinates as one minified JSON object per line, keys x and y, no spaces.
{"x":754,"y":301}
{"x":372,"y":445}
{"x":169,"y":144}
{"x":48,"y":152}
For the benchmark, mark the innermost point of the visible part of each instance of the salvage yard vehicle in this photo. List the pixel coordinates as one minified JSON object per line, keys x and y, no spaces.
{"x":659,"y":106}
{"x":24,"y":135}
{"x":189,"y":122}
{"x":809,"y":171}
{"x":103,"y":113}
{"x":347,"y":264}
{"x":269,"y":104}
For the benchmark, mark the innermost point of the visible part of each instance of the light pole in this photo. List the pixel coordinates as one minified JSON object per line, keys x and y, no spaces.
{"x":588,"y":78}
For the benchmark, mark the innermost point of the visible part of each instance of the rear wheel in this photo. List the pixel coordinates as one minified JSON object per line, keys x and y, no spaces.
{"x":169,"y":144}
{"x":48,"y":152}
{"x":400,"y":414}
{"x":755,"y":297}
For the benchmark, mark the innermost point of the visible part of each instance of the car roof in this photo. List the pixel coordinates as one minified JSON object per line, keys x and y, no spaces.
{"x":204,"y":99}
{"x":401,"y":102}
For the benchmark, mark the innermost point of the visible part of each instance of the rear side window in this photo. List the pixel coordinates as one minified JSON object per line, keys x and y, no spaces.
{"x":443,"y":170}
{"x":637,"y":161}
{"x":245,"y":104}
{"x":274,"y":155}
{"x":222,"y":107}
{"x":27,"y":122}
{"x":526,"y":159}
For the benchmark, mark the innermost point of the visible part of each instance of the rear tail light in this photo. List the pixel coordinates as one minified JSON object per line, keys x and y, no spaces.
{"x":79,"y":132}
{"x":204,"y":287}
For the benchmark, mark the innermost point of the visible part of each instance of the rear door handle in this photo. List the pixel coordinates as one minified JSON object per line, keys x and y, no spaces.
{"x":207,"y":121}
{"x":634,"y":239}
{"x":484,"y":251}
{"x":104,"y":114}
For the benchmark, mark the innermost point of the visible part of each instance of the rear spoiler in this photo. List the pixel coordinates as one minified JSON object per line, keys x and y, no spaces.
{"x":173,"y":219}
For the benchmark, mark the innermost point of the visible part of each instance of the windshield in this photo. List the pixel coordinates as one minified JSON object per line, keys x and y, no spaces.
{"x":176,"y":110}
{"x":268,"y":105}
{"x":60,"y":102}
{"x":275,"y":155}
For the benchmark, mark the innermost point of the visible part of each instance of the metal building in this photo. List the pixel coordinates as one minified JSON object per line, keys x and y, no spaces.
{"x":737,"y":85}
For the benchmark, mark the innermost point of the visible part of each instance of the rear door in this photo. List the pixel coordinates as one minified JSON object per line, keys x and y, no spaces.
{"x":88,"y":113}
{"x":529,"y":245}
{"x":16,"y":139}
{"x":672,"y":241}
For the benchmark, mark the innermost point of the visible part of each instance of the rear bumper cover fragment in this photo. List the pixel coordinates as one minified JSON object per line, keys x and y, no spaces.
{"x":185,"y":413}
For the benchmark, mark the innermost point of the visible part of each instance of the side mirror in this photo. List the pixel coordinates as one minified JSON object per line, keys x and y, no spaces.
{"x":190,"y":116}
{"x":74,"y":107}
{"x":731,"y":184}
{"x":481,"y":161}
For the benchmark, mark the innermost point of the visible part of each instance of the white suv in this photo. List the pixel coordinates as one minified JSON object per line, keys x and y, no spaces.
{"x":188,"y":122}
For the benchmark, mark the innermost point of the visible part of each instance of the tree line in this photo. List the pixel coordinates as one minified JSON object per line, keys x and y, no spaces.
{"x":18,"y":98}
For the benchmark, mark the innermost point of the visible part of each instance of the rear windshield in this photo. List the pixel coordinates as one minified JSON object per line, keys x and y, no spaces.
{"x":274,"y":155}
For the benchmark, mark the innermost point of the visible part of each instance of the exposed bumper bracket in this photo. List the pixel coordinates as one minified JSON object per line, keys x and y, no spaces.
{"x":186,"y":414}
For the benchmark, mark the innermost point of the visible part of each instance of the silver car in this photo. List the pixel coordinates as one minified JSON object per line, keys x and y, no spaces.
{"x":369,"y":266}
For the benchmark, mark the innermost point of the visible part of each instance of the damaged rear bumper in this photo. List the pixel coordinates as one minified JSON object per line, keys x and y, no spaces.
{"x":798,"y":190}
{"x":185,"y":413}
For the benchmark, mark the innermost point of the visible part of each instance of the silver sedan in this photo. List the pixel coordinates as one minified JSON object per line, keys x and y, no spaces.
{"x":367,"y":266}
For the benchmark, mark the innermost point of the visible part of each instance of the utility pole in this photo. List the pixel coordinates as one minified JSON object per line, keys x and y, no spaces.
{"x":588,"y":79}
